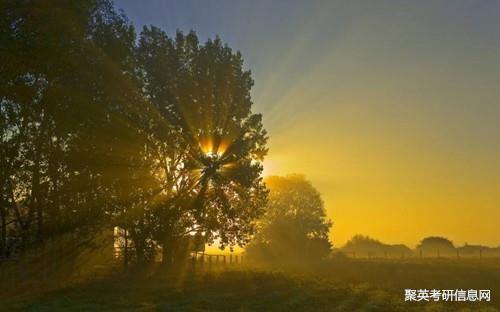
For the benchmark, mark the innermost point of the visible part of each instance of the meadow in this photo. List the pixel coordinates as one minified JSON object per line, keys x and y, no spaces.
{"x":335,"y":285}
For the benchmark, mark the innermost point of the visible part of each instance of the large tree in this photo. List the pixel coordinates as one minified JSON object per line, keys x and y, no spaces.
{"x":99,"y":129}
{"x":66,"y":100}
{"x":205,"y":142}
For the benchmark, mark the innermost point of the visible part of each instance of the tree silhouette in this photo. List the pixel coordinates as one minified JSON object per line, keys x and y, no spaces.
{"x":436,"y":245}
{"x":99,"y":129}
{"x":294,"y":229}
{"x":206,"y":143}
{"x":63,"y":75}
{"x":367,"y":246}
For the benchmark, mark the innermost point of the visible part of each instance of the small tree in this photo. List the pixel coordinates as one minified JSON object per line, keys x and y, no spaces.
{"x":294,"y":229}
{"x":436,"y":245}
{"x":366,"y":246}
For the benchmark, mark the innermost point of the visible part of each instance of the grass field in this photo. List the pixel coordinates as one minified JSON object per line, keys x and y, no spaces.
{"x":361,"y":285}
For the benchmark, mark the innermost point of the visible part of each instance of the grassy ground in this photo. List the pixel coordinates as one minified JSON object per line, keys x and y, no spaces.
{"x":337,"y":286}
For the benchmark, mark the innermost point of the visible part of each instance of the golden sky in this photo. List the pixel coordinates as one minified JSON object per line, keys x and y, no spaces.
{"x":396,"y":121}
{"x":390,"y":108}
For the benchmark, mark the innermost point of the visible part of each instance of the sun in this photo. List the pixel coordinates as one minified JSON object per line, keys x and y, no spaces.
{"x":213,"y":147}
{"x":212,"y":154}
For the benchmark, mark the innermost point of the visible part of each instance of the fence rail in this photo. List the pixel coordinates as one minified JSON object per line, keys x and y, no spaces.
{"x":420,"y":254}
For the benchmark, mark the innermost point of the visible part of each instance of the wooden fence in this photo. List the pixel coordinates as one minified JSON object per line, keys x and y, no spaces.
{"x":420,"y":254}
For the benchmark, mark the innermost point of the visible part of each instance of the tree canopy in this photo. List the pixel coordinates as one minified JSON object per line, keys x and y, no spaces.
{"x":363,"y":246}
{"x":436,"y":244}
{"x":294,"y":228}
{"x":102,"y":128}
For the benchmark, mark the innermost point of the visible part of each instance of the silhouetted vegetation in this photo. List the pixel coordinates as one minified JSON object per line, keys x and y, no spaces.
{"x":478,"y":250}
{"x":365,"y":246}
{"x":430,"y":247}
{"x":103,"y":129}
{"x":436,"y":245}
{"x":294,"y":229}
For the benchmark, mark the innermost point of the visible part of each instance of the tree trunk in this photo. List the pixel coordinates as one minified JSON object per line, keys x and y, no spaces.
{"x":35,"y":195}
{"x":167,"y":253}
{"x":140,"y":255}
{"x":139,"y":244}
{"x":3,"y":232}
{"x":125,"y":251}
{"x":54,"y":214}
{"x":3,"y":206}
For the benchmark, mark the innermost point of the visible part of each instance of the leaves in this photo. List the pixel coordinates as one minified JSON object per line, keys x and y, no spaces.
{"x":99,"y":129}
{"x":294,"y":227}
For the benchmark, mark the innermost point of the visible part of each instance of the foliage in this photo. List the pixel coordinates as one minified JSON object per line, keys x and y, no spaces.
{"x":100,"y":129}
{"x":205,"y":141}
{"x":436,"y":241}
{"x":361,"y":245}
{"x":60,"y":93}
{"x":436,"y":245}
{"x":294,"y":228}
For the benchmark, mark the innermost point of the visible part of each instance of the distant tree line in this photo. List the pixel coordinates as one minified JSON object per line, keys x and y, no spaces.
{"x":364,"y":246}
{"x":431,"y":246}
{"x":101,"y":127}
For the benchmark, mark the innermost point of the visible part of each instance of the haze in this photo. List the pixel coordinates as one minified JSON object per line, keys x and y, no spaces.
{"x":390,"y":108}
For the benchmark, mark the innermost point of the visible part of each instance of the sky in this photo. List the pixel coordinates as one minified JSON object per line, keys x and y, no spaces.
{"x":390,"y":108}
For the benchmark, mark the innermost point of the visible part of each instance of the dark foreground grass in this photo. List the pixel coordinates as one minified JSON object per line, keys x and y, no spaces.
{"x":339,"y":287}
